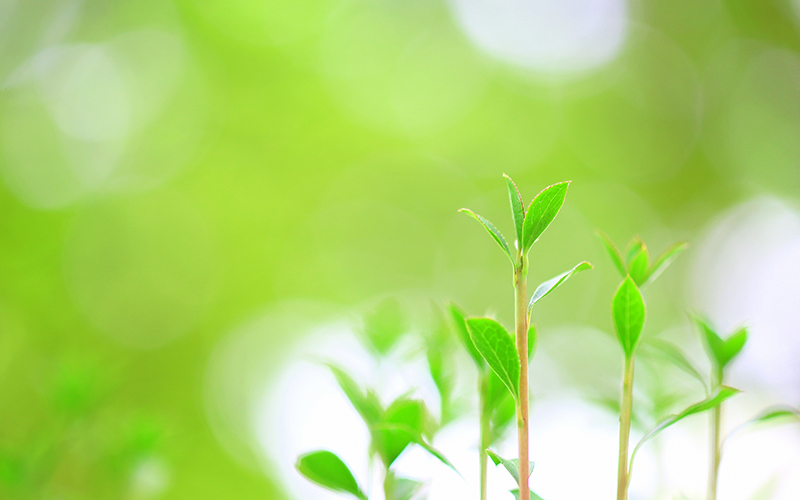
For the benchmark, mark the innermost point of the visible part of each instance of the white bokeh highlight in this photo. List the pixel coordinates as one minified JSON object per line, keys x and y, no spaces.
{"x":558,"y":38}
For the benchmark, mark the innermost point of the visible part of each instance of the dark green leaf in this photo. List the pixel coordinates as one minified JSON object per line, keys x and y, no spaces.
{"x":629,"y":313}
{"x":664,"y":260}
{"x":614,"y":253}
{"x":367,"y":405}
{"x":541,"y":212}
{"x":517,"y":208}
{"x":460,"y":325}
{"x":548,"y":286}
{"x":384,"y":325}
{"x":713,"y":401}
{"x":512,"y":466}
{"x":498,"y":349}
{"x":493,"y":231}
{"x":327,"y":470}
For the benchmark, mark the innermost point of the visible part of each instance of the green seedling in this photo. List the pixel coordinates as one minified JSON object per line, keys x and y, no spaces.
{"x":393,"y":429}
{"x":507,"y":357}
{"x":721,"y":352}
{"x":629,"y":312}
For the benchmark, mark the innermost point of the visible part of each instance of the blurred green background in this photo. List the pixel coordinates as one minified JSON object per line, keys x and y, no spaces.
{"x":172,"y":169}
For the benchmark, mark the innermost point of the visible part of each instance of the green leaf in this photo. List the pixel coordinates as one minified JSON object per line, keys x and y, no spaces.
{"x":389,"y":442}
{"x":638,"y":262}
{"x":674,"y":354}
{"x":327,"y":470}
{"x":384,"y":325}
{"x":367,"y":405}
{"x":493,"y":231}
{"x":399,"y":488}
{"x":503,"y":416}
{"x":517,"y":208}
{"x":417,"y":439}
{"x":541,"y":212}
{"x":613,"y":252}
{"x":720,"y":351}
{"x":512,"y":466}
{"x":664,"y":260}
{"x":498,"y":349}
{"x":777,"y":412}
{"x":460,"y":325}
{"x":548,"y":286}
{"x":629,"y":313}
{"x":713,"y":401}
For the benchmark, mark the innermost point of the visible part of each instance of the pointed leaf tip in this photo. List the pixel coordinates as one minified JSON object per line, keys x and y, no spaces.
{"x":548,"y":286}
{"x":327,"y":470}
{"x":541,"y":212}
{"x":493,"y":231}
{"x":512,"y":466}
{"x":613,"y":252}
{"x":517,"y":207}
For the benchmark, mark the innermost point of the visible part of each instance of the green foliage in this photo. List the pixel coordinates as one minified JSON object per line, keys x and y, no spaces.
{"x":496,"y":346}
{"x":400,"y":488}
{"x":384,"y":326}
{"x":399,"y":426}
{"x":636,"y":262}
{"x":721,"y":351}
{"x":512,"y":466}
{"x":541,"y":212}
{"x":493,"y":231}
{"x":517,"y":207}
{"x":327,"y":470}
{"x":673,"y":353}
{"x":629,"y":313}
{"x":723,"y":393}
{"x":366,"y":403}
{"x":548,"y":286}
{"x":460,"y":326}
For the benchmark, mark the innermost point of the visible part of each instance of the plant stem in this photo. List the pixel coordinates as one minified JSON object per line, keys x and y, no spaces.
{"x":716,"y":437}
{"x":625,"y":428}
{"x":521,"y":324}
{"x":483,"y":391}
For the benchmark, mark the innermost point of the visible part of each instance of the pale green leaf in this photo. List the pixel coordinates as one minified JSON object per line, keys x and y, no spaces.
{"x":517,"y":208}
{"x":721,"y":351}
{"x":366,"y":404}
{"x":417,"y":439}
{"x":613,"y":252}
{"x":327,"y":470}
{"x":713,"y":401}
{"x":412,"y":415}
{"x":674,"y":354}
{"x":512,"y":466}
{"x":460,"y":325}
{"x":638,"y":262}
{"x":629,"y":313}
{"x":493,"y":231}
{"x":548,"y":286}
{"x":384,"y":325}
{"x":399,"y":488}
{"x":497,"y":347}
{"x":541,"y":212}
{"x":777,"y":412}
{"x":664,"y":260}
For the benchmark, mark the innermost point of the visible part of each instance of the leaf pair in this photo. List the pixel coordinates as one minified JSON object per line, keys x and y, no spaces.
{"x":528,"y":224}
{"x":721,"y":351}
{"x":636,"y":263}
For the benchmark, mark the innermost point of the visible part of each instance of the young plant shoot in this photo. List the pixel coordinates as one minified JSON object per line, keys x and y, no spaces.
{"x":508,"y":358}
{"x":404,"y":422}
